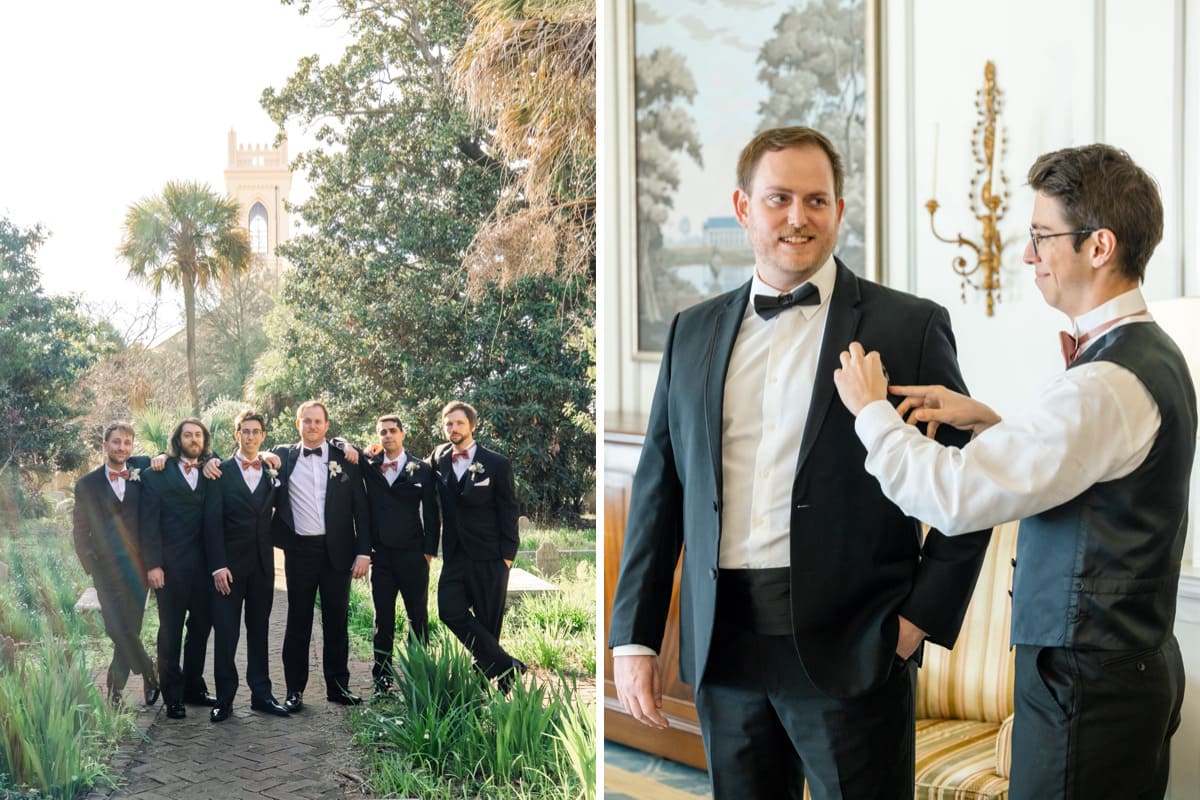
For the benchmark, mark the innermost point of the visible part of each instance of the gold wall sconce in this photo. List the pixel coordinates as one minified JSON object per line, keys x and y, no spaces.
{"x":988,"y":195}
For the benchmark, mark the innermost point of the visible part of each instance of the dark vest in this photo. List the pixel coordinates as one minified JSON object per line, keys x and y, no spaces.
{"x":1101,"y":571}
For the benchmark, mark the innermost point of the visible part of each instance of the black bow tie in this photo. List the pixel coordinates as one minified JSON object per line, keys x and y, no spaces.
{"x":311,"y":451}
{"x":767,"y":306}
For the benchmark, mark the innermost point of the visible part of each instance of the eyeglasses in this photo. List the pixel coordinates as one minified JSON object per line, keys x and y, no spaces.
{"x":251,"y":431}
{"x":1037,"y":237}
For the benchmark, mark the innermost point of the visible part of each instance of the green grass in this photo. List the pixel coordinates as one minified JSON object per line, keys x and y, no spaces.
{"x":58,"y":731}
{"x":447,"y":734}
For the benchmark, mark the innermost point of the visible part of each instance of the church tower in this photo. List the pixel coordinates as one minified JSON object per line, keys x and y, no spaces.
{"x":259,"y":178}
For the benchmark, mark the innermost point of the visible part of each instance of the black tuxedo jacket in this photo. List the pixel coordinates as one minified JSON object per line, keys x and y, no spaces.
{"x":857,"y":560}
{"x":479,"y":512}
{"x":404,"y":515}
{"x":347,"y":518}
{"x":105,"y":529}
{"x":237,"y":522}
{"x":172,"y":519}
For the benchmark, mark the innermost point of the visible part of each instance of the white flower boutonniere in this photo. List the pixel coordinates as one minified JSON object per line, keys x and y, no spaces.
{"x":135,"y":475}
{"x":272,"y":473}
{"x":475,"y":469}
{"x":411,"y":467}
{"x":335,"y":469}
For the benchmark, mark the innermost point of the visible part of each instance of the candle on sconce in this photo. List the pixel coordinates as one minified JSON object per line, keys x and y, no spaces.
{"x":936,"y":131}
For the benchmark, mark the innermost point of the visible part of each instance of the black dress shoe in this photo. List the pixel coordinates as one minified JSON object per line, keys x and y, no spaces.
{"x":505,"y":681}
{"x":202,"y":699}
{"x":344,"y":698}
{"x":294,"y":702}
{"x":150,"y":683}
{"x":176,"y":711}
{"x":269,"y":706}
{"x":220,"y":713}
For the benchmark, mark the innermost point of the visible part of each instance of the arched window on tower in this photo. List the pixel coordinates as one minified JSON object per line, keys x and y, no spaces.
{"x":258,"y":230}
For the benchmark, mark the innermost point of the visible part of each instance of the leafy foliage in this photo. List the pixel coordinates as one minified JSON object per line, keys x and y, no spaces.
{"x":376,"y":317}
{"x":47,"y":343}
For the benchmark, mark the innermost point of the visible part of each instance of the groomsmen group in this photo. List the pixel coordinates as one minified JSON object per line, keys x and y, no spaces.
{"x":200,"y":531}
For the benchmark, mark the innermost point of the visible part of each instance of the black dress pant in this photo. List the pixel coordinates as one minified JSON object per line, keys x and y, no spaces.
{"x":1094,"y":723}
{"x":405,"y":572}
{"x":308,"y":571}
{"x":253,"y":595}
{"x":184,"y":622}
{"x":471,"y":598}
{"x":122,"y":606}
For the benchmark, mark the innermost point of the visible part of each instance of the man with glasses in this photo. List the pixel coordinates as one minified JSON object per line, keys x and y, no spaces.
{"x":237,"y":537}
{"x":1099,"y":475}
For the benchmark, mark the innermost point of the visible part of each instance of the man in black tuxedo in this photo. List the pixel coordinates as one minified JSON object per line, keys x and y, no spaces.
{"x":237,"y":540}
{"x":172,"y":533}
{"x":405,"y":527}
{"x":322,"y":524}
{"x":805,"y":594}
{"x":105,"y":530}
{"x":479,"y":509}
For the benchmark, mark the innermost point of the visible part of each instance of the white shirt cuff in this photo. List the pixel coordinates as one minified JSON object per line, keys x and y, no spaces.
{"x":875,"y":419}
{"x":633,"y":650}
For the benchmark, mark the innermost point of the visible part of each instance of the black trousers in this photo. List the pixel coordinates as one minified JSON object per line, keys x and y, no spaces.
{"x":1094,"y":723}
{"x":122,"y":606}
{"x":309,"y":571}
{"x":471,"y":598}
{"x":184,"y":622}
{"x":403,"y":572}
{"x":254,"y":595}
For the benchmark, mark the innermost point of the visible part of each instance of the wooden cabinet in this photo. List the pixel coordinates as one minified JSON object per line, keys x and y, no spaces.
{"x":681,"y":742}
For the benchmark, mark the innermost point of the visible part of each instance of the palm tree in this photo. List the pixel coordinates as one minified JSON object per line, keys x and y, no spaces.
{"x":186,"y":237}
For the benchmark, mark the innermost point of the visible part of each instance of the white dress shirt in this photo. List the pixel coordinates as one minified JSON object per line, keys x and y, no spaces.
{"x":391,"y":474}
{"x":460,"y":465}
{"x":116,"y":484}
{"x":306,"y":491}
{"x":251,"y":475}
{"x":192,"y":477}
{"x":1095,"y":422}
{"x":768,"y":390}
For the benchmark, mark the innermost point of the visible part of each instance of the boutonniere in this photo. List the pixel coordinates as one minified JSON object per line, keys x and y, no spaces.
{"x":475,"y":469}
{"x":272,"y":473}
{"x":335,"y":469}
{"x":135,"y":475}
{"x":411,"y":467}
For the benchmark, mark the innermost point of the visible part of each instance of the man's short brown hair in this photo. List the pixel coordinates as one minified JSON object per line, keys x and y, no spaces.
{"x":175,"y":446}
{"x":125,"y":427}
{"x":307,"y":404}
{"x":253,"y":416}
{"x":1099,"y":186}
{"x":466,"y":408}
{"x":775,"y":139}
{"x":390,"y":418}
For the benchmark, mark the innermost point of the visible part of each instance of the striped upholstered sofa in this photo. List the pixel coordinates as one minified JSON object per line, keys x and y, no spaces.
{"x":965,"y":695}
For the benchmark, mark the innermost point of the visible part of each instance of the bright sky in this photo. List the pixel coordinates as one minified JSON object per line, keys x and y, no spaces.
{"x":106,"y":102}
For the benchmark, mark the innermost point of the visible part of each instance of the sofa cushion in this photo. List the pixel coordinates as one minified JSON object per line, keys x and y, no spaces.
{"x":956,"y":760}
{"x":974,"y":681}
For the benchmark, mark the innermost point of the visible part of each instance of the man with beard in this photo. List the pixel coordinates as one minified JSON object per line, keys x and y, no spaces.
{"x":172,"y":535}
{"x":105,"y":530}
{"x":479,"y":509}
{"x":237,"y":538}
{"x":405,"y":527}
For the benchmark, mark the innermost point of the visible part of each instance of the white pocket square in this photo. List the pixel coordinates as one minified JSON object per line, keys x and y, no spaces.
{"x":417,"y":485}
{"x":484,"y":482}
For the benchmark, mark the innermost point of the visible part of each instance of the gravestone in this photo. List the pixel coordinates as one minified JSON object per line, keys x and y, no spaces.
{"x":547,"y":559}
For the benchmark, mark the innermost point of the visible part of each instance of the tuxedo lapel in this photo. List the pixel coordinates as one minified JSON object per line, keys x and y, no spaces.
{"x":716,"y":359}
{"x":840,"y":328}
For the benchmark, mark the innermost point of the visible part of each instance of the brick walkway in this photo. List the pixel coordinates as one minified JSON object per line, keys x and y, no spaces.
{"x":250,"y":755}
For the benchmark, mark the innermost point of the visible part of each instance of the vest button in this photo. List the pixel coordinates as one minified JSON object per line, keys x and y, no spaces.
{"x":1012,"y":561}
{"x":716,"y":505}
{"x":713,"y":573}
{"x":1010,"y":592}
{"x":1141,"y":666}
